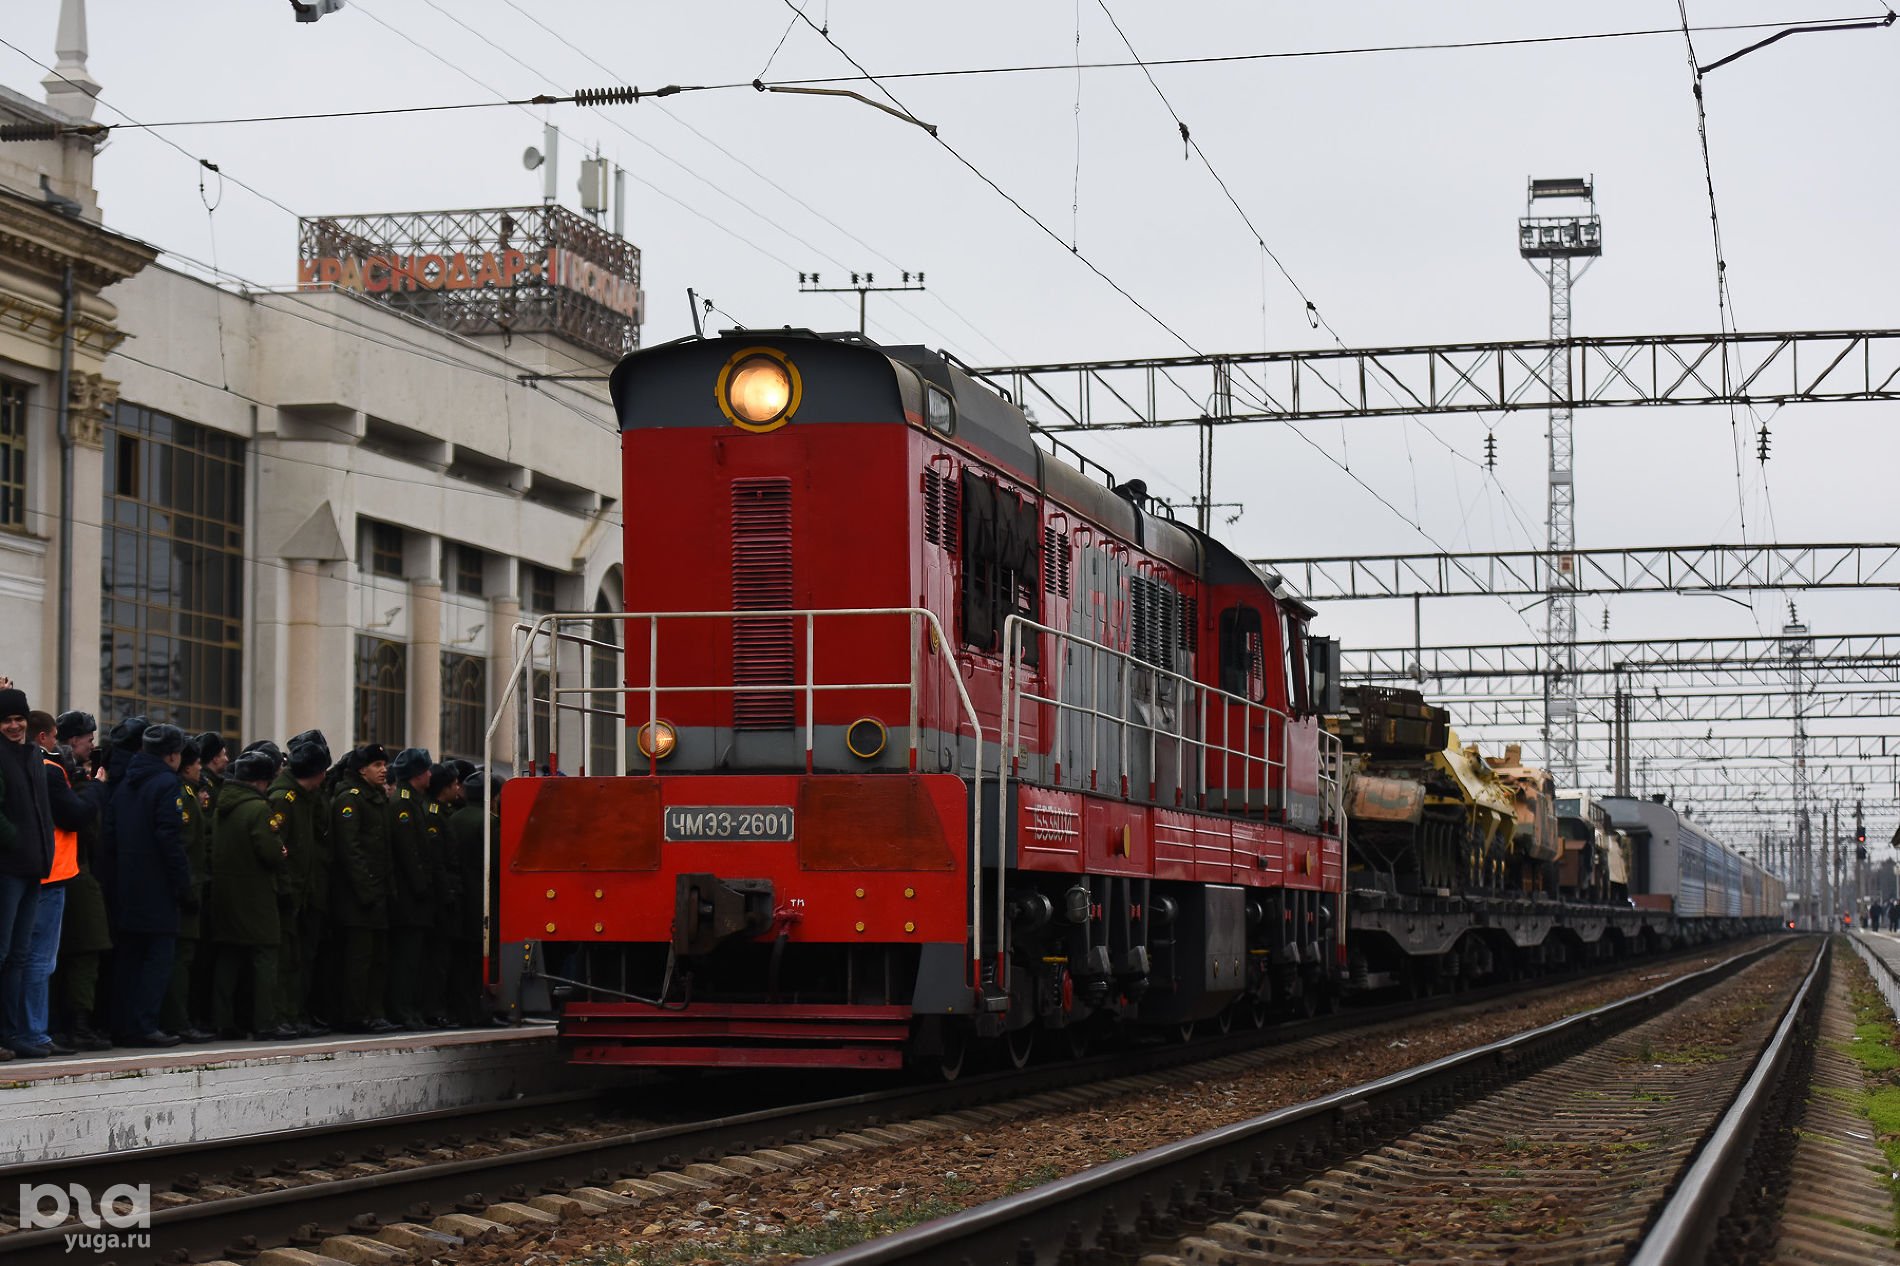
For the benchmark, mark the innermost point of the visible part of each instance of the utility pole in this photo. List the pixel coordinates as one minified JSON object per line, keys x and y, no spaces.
{"x":1548,"y":243}
{"x":862,"y":283}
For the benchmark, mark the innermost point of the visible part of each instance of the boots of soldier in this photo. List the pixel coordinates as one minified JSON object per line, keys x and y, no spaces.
{"x":85,"y":1036}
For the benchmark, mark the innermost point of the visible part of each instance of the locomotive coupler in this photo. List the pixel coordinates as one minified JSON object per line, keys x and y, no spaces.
{"x":708,"y":911}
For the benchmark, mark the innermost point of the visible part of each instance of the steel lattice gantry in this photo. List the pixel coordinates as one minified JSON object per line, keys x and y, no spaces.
{"x":1783,"y":367}
{"x":1655,"y":569}
{"x":1603,"y":667}
{"x":1707,"y":705}
{"x":1673,"y":751}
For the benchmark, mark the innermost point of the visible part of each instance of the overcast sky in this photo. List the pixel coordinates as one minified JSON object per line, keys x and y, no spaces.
{"x":1388,"y":184}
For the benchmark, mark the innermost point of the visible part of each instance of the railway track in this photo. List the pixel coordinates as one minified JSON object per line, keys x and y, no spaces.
{"x":246,"y":1195}
{"x":1632,"y":1123}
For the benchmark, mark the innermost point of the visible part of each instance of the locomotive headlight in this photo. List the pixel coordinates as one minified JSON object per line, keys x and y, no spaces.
{"x":759,"y":389}
{"x":656,"y":739}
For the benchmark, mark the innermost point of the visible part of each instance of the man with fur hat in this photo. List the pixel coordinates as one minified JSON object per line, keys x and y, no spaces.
{"x":248,"y":853}
{"x":72,"y":809}
{"x":187,"y":994}
{"x":26,"y":857}
{"x":302,"y":882}
{"x":214,"y":754}
{"x":359,"y":893}
{"x":465,"y":859}
{"x":413,"y":893}
{"x":151,"y":883}
{"x":84,"y":934}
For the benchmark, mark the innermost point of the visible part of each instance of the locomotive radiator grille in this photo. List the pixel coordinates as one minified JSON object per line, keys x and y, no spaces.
{"x":762,"y":649}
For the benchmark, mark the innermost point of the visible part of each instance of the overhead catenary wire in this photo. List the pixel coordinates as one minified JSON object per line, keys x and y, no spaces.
{"x":631,"y":95}
{"x":776,"y":187}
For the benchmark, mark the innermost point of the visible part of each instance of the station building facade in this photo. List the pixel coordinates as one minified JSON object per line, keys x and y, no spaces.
{"x":288,"y":509}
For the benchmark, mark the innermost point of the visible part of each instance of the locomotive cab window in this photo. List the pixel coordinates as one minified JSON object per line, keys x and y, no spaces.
{"x":1242,"y":654}
{"x":1000,"y":548}
{"x":940,"y":411}
{"x":1293,"y":638}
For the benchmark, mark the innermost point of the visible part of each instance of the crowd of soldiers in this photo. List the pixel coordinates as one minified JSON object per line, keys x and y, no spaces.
{"x":159,"y":888}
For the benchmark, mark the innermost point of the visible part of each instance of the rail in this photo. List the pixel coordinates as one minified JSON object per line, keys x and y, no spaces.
{"x":551,"y":628}
{"x":1018,"y":1227}
{"x":1685,"y":1229}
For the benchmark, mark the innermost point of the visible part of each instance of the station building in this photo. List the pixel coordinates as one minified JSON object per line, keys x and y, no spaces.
{"x":332,"y":504}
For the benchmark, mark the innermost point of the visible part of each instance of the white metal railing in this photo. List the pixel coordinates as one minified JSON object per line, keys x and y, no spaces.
{"x":552,"y":630}
{"x":1241,"y":768}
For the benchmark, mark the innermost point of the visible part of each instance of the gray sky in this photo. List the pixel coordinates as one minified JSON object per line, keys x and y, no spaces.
{"x":1388,"y":184}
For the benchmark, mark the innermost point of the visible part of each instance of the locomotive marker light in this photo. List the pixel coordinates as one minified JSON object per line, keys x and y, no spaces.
{"x":866,"y":738}
{"x":758,"y":389}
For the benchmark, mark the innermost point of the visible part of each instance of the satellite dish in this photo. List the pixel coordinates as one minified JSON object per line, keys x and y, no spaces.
{"x":531,"y":158}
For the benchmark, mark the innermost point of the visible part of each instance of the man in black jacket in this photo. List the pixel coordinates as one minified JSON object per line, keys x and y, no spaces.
{"x":150,"y":882}
{"x":26,"y":854}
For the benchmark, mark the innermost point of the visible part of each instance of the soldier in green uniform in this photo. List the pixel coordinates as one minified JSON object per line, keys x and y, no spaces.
{"x":359,"y":889}
{"x":181,"y":1010}
{"x":445,"y":797}
{"x":465,"y":861}
{"x":293,"y":794}
{"x":247,"y":852}
{"x":315,"y":935}
{"x":214,"y":755}
{"x":412,"y":897}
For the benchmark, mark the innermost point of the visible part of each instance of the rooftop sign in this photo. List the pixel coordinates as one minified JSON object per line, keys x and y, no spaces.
{"x":506,"y":270}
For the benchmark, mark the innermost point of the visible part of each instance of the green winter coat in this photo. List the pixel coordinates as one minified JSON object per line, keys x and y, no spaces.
{"x":412,"y":902}
{"x":449,"y":895}
{"x":247,"y":852}
{"x":306,"y":867}
{"x":196,"y":835}
{"x":465,"y":860}
{"x":359,"y":843}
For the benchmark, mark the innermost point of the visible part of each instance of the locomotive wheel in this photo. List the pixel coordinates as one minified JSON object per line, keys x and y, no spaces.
{"x":1256,"y":1011}
{"x":1224,"y":1022}
{"x":1077,"y":1040}
{"x":956,"y":1047}
{"x":1019,"y":1045}
{"x":1184,"y":1031}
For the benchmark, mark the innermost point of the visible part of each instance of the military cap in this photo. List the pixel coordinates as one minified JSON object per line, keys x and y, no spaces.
{"x":70,"y":725}
{"x":367,"y":754}
{"x":162,"y":740}
{"x":461,"y":768}
{"x":13,"y":702}
{"x":310,"y":738}
{"x":307,"y":759}
{"x":409,"y":762}
{"x":270,"y":750}
{"x":210,"y":744}
{"x":127,"y":734}
{"x":189,"y":753}
{"x":252,"y":766}
{"x":440,"y":776}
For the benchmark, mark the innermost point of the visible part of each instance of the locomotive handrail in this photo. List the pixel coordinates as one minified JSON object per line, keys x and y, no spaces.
{"x":549,"y":626}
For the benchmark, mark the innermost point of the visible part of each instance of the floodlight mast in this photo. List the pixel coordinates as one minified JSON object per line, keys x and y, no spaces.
{"x":1549,"y":237}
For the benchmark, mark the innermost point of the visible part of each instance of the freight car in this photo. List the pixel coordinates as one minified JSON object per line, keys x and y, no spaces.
{"x":937,"y":739}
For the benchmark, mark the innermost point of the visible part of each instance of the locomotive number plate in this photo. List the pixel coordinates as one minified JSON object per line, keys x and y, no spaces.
{"x":728,"y":822}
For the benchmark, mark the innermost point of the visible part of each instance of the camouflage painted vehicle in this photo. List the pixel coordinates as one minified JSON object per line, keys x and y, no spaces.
{"x":1424,"y":814}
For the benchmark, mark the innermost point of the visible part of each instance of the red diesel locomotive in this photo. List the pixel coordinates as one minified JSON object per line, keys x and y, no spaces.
{"x":938,"y":743}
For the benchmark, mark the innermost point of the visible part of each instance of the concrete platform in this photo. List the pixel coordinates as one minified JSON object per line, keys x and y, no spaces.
{"x":91,"y":1104}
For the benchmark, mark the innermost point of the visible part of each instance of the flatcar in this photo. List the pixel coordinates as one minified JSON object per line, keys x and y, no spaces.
{"x":943,"y":742}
